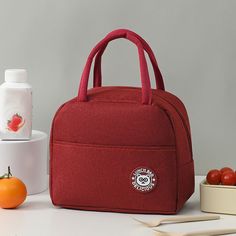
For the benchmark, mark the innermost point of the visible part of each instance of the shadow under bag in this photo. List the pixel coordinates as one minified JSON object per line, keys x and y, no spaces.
{"x":121,"y":149}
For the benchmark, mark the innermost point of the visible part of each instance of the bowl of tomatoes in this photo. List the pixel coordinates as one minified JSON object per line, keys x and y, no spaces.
{"x":218,"y":191}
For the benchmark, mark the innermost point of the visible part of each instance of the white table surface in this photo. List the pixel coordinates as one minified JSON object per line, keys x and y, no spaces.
{"x":37,"y":216}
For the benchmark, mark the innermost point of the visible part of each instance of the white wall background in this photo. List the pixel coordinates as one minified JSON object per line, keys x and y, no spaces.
{"x":194,"y":41}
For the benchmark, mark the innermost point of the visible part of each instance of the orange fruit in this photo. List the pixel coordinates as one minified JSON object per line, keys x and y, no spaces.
{"x":12,"y":191}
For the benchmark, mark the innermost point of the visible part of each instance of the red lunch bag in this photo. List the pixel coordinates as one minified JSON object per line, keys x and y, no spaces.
{"x":121,"y":149}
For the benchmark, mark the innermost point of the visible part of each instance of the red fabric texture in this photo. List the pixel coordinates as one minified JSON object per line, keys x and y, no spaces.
{"x":100,"y":137}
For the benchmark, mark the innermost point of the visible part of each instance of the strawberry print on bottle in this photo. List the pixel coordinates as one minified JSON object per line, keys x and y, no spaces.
{"x":15,"y":123}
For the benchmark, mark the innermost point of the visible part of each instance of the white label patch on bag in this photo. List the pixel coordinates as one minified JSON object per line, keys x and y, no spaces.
{"x":143,"y":179}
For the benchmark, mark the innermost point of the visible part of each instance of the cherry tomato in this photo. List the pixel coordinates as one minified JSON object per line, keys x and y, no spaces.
{"x":226,"y":169}
{"x":214,"y":177}
{"x":228,"y":178}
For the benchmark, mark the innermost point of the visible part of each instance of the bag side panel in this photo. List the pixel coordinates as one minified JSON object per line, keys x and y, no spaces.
{"x":51,"y":150}
{"x":185,"y":170}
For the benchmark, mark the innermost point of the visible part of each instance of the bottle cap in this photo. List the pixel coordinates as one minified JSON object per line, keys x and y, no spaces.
{"x":16,"y":75}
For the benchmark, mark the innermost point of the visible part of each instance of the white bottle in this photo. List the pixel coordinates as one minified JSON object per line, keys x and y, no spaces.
{"x":15,"y":106}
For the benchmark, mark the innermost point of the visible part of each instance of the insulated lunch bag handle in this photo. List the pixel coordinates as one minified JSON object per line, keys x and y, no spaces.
{"x":97,"y":74}
{"x":145,"y":80}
